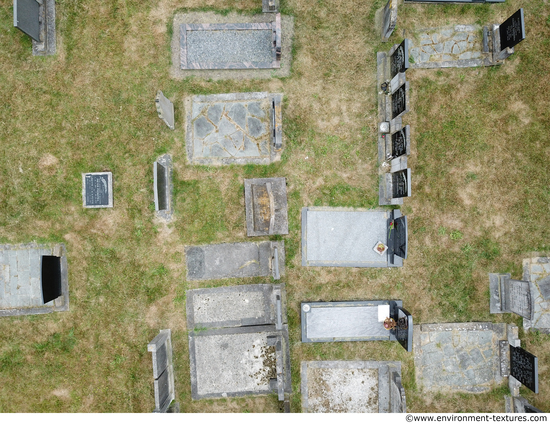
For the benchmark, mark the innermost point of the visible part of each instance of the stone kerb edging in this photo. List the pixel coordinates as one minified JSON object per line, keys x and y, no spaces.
{"x":163,"y":370}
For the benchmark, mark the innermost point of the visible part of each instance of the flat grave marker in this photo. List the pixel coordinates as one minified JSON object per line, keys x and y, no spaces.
{"x":162,"y":186}
{"x":509,"y":295}
{"x":97,"y":190}
{"x":401,"y":183}
{"x":163,"y":370}
{"x":399,"y":104}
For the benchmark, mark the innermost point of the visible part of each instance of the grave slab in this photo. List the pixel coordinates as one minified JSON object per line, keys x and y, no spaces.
{"x":236,"y":128}
{"x":459,"y":357}
{"x":347,"y":238}
{"x":352,"y":387}
{"x":33,"y":279}
{"x":162,"y":187}
{"x":165,"y":109}
{"x":163,"y":370}
{"x":97,"y":190}
{"x":266,"y":206}
{"x":234,"y":260}
{"x":536,"y":271}
{"x":509,"y":295}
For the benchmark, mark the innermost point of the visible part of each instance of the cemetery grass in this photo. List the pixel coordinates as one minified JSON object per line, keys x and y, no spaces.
{"x":480,"y":192}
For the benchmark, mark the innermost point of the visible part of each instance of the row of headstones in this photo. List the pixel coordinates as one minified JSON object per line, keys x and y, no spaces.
{"x":505,"y":35}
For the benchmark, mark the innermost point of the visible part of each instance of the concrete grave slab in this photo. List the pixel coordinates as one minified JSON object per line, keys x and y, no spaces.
{"x":235,"y":260}
{"x":351,"y":386}
{"x":536,"y":271}
{"x":344,"y":237}
{"x":33,"y":279}
{"x":215,"y":50}
{"x":236,"y":128}
{"x":266,"y":206}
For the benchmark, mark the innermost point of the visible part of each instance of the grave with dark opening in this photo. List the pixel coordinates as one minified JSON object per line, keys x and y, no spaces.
{"x":51,"y":278}
{"x":524,"y":368}
{"x":266,"y":206}
{"x":354,"y":321}
{"x":238,"y":341}
{"x":353,"y":238}
{"x":97,"y":190}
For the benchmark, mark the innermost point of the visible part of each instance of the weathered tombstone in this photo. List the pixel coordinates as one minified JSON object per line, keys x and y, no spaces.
{"x":266,"y":206}
{"x":399,"y":104}
{"x":165,"y":109}
{"x":507,"y":35}
{"x":162,"y":187}
{"x":399,"y":60}
{"x":509,"y":295}
{"x":270,"y":6}
{"x":524,"y":368}
{"x":97,"y":190}
{"x":37,"y":20}
{"x":389,"y":19}
{"x":163,"y":370}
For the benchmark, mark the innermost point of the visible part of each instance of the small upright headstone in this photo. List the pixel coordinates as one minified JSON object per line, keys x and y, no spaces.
{"x":524,"y":368}
{"x":399,"y":101}
{"x":97,"y":190}
{"x":399,"y":60}
{"x":26,"y":17}
{"x":509,"y":295}
{"x":165,"y":109}
{"x":512,"y":31}
{"x":389,"y":19}
{"x":401,"y":183}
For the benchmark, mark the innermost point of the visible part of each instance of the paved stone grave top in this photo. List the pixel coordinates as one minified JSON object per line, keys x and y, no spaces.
{"x":524,"y":368}
{"x":231,"y":46}
{"x":266,"y":206}
{"x":537,"y":271}
{"x":350,"y":386}
{"x":235,"y":128}
{"x":347,"y":238}
{"x":33,"y":279}
{"x":512,"y":30}
{"x":234,"y":260}
{"x":97,"y":190}
{"x":458,"y":357}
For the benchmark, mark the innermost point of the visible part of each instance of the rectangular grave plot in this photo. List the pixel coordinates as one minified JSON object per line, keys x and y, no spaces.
{"x":161,"y":174}
{"x":399,"y":60}
{"x":228,"y":46}
{"x":400,"y":142}
{"x":399,"y":101}
{"x":524,"y":368}
{"x":401,"y":183}
{"x":404,"y":330}
{"x":97,"y":190}
{"x":26,"y":17}
{"x":512,"y":31}
{"x":51,"y":278}
{"x":266,"y":206}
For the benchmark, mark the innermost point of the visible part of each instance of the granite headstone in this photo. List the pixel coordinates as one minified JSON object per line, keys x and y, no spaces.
{"x":399,"y":101}
{"x":401,"y":183}
{"x":97,"y":191}
{"x":26,"y":17}
{"x":400,"y":144}
{"x":399,"y":60}
{"x":524,"y":368}
{"x":512,"y":31}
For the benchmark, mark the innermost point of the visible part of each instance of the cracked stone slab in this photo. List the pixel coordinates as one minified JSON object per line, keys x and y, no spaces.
{"x":234,"y":260}
{"x":236,"y":128}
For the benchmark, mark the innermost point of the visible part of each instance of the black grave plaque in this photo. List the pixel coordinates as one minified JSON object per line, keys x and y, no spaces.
{"x":399,"y":142}
{"x":399,"y":101}
{"x":162,"y":187}
{"x":26,"y":17}
{"x":401,"y":183}
{"x":512,"y":30}
{"x":399,"y":60}
{"x":51,"y":278}
{"x":399,"y":239}
{"x":404,"y":330}
{"x":97,"y":189}
{"x":524,"y":368}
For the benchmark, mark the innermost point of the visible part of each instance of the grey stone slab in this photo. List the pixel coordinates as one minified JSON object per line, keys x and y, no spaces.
{"x":544,"y":287}
{"x":266,"y":206}
{"x":165,"y":109}
{"x":163,"y":370}
{"x":232,"y":260}
{"x":333,"y":237}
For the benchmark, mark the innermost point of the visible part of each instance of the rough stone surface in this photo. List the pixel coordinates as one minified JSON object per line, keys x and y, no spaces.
{"x":266,"y":206}
{"x":537,"y":271}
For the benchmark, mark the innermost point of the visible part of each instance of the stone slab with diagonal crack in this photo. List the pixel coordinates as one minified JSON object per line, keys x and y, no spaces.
{"x":536,"y":270}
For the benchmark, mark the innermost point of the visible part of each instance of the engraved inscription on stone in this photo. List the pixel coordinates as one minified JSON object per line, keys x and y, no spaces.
{"x":520,"y":298}
{"x":524,"y":367}
{"x":261,"y":205}
{"x":97,"y":190}
{"x":398,"y":101}
{"x":399,"y":143}
{"x":399,"y":61}
{"x":512,"y":31}
{"x":400,"y":185}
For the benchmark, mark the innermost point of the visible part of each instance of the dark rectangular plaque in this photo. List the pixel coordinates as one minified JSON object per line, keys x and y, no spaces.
{"x":399,"y":60}
{"x":512,"y":30}
{"x":399,"y":101}
{"x":51,"y":278}
{"x":399,"y":239}
{"x":96,"y":189}
{"x":399,"y":142}
{"x":524,"y":368}
{"x":404,"y":329}
{"x":26,"y":17}
{"x":261,"y":207}
{"x":401,"y":183}
{"x":162,"y":187}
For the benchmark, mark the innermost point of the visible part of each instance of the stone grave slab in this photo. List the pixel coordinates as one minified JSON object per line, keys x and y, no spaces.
{"x":509,"y":295}
{"x":236,"y":306}
{"x":459,"y":357}
{"x":235,"y":260}
{"x":33,"y":279}
{"x":231,"y":46}
{"x":266,"y":206}
{"x":97,"y":190}
{"x":536,"y":271}
{"x":352,"y":387}
{"x":354,"y":321}
{"x":162,"y":187}
{"x":165,"y":109}
{"x":163,"y":370}
{"x":399,"y":59}
{"x":524,"y":368}
{"x":346,"y":238}
{"x":236,"y":128}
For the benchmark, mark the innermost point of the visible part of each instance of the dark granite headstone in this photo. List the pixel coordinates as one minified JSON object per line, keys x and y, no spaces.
{"x":399,"y":142}
{"x":51,"y":278}
{"x":26,"y":17}
{"x":512,"y":31}
{"x":399,"y":101}
{"x":399,"y":60}
{"x":524,"y":368}
{"x":404,"y":330}
{"x":97,"y":190}
{"x":398,"y":237}
{"x":401,"y":183}
{"x":162,"y":187}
